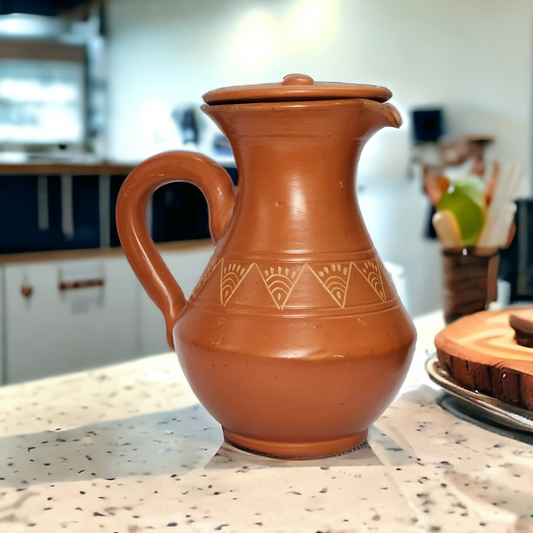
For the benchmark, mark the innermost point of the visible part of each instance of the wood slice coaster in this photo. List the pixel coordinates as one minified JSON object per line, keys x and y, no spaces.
{"x":481,"y":353}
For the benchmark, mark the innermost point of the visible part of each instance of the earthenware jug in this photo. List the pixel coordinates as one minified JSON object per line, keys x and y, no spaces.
{"x":294,"y":339}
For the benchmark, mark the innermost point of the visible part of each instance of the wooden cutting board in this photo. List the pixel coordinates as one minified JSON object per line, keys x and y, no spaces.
{"x":481,"y":354}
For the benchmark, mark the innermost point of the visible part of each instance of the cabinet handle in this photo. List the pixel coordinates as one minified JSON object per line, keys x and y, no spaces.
{"x":80,"y":284}
{"x":26,"y":290}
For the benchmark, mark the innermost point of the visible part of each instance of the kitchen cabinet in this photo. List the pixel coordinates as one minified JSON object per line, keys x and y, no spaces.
{"x":73,"y":315}
{"x":63,"y":312}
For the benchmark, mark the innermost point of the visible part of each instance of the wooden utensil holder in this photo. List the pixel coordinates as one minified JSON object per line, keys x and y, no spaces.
{"x":469,"y":281}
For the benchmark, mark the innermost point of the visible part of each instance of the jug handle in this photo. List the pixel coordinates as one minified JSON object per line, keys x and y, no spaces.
{"x":219,"y":191}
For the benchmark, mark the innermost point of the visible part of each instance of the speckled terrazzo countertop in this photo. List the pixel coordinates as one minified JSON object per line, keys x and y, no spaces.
{"x":128,"y":449}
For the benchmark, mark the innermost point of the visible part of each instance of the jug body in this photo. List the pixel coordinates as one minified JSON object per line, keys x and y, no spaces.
{"x":300,"y":382}
{"x":294,"y":339}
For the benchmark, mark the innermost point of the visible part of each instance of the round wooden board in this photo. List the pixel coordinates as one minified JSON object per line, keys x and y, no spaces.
{"x":481,"y":353}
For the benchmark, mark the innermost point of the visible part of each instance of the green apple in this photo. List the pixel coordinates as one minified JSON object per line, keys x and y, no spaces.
{"x":465,"y":199}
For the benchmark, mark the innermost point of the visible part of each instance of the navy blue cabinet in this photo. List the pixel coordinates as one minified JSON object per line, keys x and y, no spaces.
{"x":178,"y":212}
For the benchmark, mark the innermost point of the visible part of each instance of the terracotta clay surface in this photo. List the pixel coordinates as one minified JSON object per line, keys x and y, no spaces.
{"x":295,"y":87}
{"x":294,"y":339}
{"x":481,"y":353}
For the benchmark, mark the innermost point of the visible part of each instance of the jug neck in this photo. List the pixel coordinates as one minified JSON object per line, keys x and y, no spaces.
{"x":297,"y":165}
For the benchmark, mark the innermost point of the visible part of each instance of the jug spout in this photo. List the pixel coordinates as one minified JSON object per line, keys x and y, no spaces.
{"x":392,"y":114}
{"x":385,"y":115}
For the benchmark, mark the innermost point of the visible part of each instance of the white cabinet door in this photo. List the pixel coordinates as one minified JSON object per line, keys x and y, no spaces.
{"x":187,"y":265}
{"x":65,"y":325}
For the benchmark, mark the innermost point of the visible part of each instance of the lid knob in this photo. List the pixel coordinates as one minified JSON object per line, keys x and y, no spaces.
{"x":297,"y":79}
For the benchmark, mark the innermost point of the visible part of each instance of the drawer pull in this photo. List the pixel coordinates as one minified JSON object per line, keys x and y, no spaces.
{"x":80,"y":284}
{"x":26,"y":290}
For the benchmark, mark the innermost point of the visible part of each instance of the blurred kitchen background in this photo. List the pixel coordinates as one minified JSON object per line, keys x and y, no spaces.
{"x":89,"y":89}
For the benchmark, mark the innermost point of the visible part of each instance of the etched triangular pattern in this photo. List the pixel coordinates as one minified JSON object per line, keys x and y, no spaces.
{"x":280,"y":281}
{"x":371,"y":271}
{"x":335,"y":278}
{"x":252,"y":291}
{"x":309,"y":292}
{"x":209,"y":269}
{"x":231,"y":276}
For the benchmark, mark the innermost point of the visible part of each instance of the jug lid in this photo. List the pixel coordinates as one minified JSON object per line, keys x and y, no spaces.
{"x":295,"y":87}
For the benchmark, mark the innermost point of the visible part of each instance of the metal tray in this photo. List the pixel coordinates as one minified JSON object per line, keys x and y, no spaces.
{"x":488,"y":407}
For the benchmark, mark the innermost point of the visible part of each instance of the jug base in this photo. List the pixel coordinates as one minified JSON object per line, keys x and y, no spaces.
{"x":295,"y":450}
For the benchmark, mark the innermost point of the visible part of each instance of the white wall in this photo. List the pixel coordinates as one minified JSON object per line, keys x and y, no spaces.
{"x":472,"y":57}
